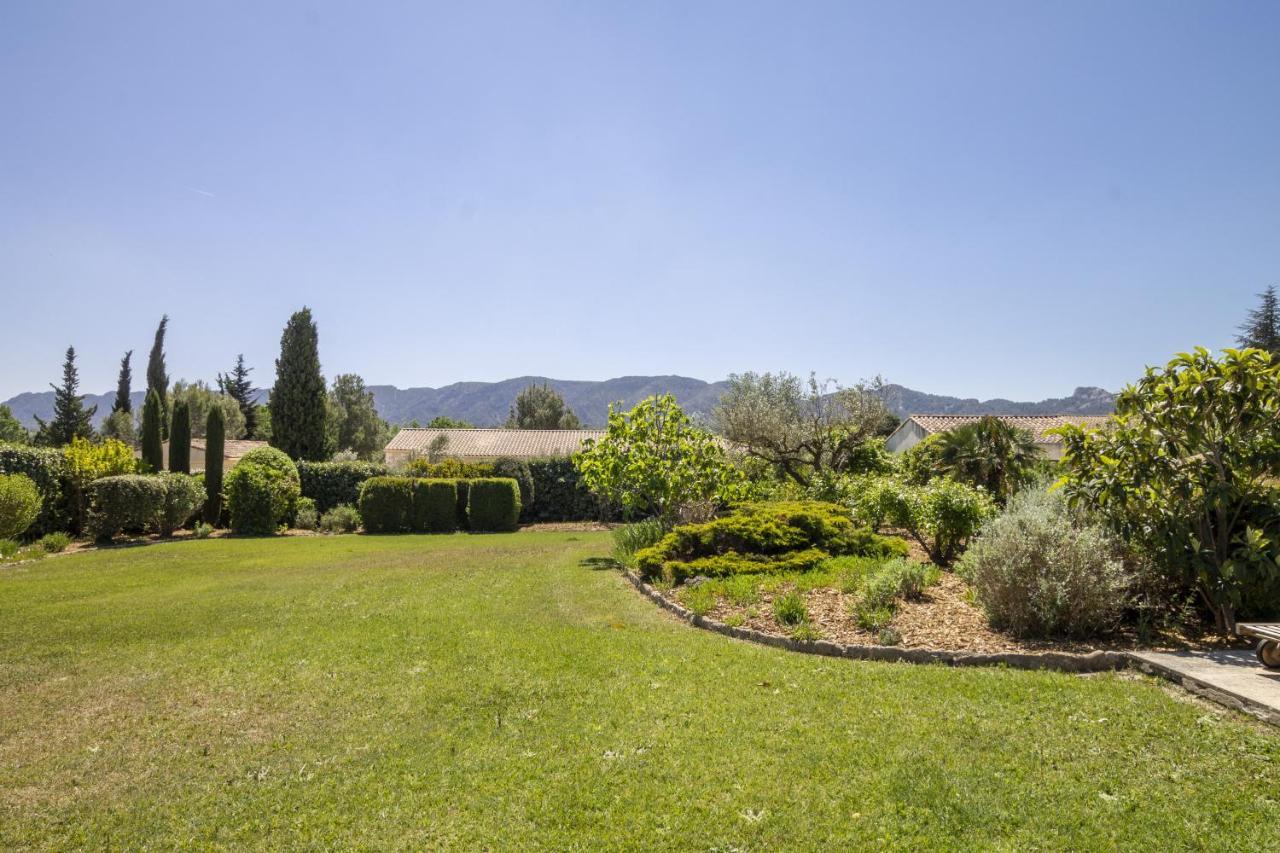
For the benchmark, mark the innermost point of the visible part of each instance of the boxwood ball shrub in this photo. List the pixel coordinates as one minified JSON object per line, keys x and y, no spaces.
{"x":124,"y":502}
{"x":262,"y":492}
{"x":493,"y":504}
{"x":332,"y":483}
{"x":783,"y":536}
{"x":20,"y":503}
{"x":184,"y":496}
{"x":386,"y":504}
{"x":46,"y":467}
{"x":435,"y":506}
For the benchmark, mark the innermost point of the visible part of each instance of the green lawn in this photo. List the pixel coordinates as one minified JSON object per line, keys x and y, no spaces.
{"x":495,"y":691}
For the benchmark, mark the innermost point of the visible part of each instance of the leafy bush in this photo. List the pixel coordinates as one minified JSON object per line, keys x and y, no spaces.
{"x":435,"y":506}
{"x":332,"y":483}
{"x":19,"y":504}
{"x":85,"y":461}
{"x":1037,"y":571}
{"x":559,"y":493}
{"x":789,"y":609}
{"x":46,"y":468}
{"x":448,"y":469}
{"x":8,"y":548}
{"x":519,"y":471}
{"x":493,"y":504}
{"x":54,"y":543}
{"x":124,"y":502}
{"x":630,"y":538}
{"x":201,"y":530}
{"x":306,"y":518}
{"x":183,"y":497}
{"x":340,"y":519}
{"x":882,"y":589}
{"x":386,"y":504}
{"x":763,"y":537}
{"x":942,"y":515}
{"x":262,"y":492}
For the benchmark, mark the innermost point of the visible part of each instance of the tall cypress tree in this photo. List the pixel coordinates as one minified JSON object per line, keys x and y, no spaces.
{"x":180,"y":438}
{"x":152,"y":443}
{"x":1262,"y":328}
{"x":157,"y":377}
{"x":214,"y":433}
{"x":298,"y":400}
{"x":70,"y":417}
{"x":124,"y":386}
{"x":237,"y":386}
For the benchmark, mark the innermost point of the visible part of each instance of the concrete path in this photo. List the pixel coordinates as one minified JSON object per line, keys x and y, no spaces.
{"x":1232,"y":677}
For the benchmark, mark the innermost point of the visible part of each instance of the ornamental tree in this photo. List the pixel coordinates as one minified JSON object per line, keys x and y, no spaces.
{"x":654,"y":460}
{"x":1187,"y":469}
{"x":299,"y":404}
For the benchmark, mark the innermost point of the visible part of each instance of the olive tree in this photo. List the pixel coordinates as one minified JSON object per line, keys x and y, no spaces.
{"x":1187,"y":469}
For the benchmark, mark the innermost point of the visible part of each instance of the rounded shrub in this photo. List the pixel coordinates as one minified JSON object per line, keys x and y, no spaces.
{"x":435,"y":506}
{"x":1039,"y":571}
{"x":306,"y":518}
{"x":340,"y":519}
{"x":262,"y":492}
{"x":493,"y":504}
{"x":184,"y":495}
{"x":47,"y":469}
{"x":125,"y":502}
{"x":20,"y":503}
{"x":386,"y":504}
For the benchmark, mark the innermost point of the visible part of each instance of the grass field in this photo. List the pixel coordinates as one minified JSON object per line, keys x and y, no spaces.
{"x":495,"y":691}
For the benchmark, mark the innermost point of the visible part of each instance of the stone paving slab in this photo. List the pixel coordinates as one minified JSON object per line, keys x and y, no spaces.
{"x":1232,"y":677}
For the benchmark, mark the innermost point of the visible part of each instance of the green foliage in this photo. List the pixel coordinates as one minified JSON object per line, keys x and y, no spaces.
{"x":435,"y":506}
{"x":1037,"y":570}
{"x":54,"y":543}
{"x":340,"y":519}
{"x":131,"y":502}
{"x":46,"y":468}
{"x":180,"y":438}
{"x":262,"y":492}
{"x":920,"y":463}
{"x":1187,"y":470}
{"x":559,"y":493}
{"x":446,"y":422}
{"x":942,"y":515}
{"x":215,"y":447}
{"x":20,"y":503}
{"x":1262,"y":328}
{"x":153,"y":432}
{"x":354,"y":423}
{"x":631,"y":538}
{"x":200,"y":400}
{"x":306,"y":518}
{"x":448,"y":469}
{"x":763,"y":537}
{"x":11,"y":430}
{"x":299,"y":403}
{"x":518,"y":470}
{"x":239,"y":388}
{"x":183,"y":497}
{"x":124,"y":386}
{"x":789,"y":609}
{"x":386,"y":504}
{"x":70,"y":418}
{"x":332,"y":483}
{"x":493,"y":504}
{"x":202,"y":530}
{"x":121,"y":427}
{"x":85,"y":461}
{"x":653,"y":460}
{"x":541,"y":407}
{"x":989,"y":453}
{"x":158,"y":381}
{"x":885,"y":586}
{"x":464,"y":498}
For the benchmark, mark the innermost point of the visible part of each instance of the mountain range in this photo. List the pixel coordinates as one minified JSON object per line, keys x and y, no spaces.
{"x":487,"y":403}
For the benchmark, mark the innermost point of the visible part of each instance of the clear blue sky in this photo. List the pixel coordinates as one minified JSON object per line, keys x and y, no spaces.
{"x":983,"y":199}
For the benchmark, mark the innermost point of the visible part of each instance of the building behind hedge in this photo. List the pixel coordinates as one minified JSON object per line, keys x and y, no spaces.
{"x":232,"y":451}
{"x":485,"y":445}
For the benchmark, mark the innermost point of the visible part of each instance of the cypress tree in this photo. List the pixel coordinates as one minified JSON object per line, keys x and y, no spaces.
{"x":213,"y":448}
{"x":124,"y":386}
{"x":237,"y":386}
{"x":70,"y":417}
{"x":180,"y":438}
{"x":298,"y":399}
{"x":1262,"y":328}
{"x":157,"y":378}
{"x":152,"y":443}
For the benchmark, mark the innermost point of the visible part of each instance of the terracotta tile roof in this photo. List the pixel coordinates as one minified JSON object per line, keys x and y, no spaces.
{"x":491,"y":443}
{"x":1037,"y":425}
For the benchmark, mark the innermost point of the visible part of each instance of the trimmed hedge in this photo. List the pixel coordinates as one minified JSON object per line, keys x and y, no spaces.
{"x":493,"y":504}
{"x":559,"y":494}
{"x":19,"y":504}
{"x":262,"y":492}
{"x":332,"y":484}
{"x":124,"y":502}
{"x":183,"y":497}
{"x":47,"y":469}
{"x":435,"y":506}
{"x":464,"y":495}
{"x":386,"y":504}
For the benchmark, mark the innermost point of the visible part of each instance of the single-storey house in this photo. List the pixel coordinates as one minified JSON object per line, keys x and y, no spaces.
{"x":916,"y":428}
{"x":232,"y":450}
{"x":485,"y":445}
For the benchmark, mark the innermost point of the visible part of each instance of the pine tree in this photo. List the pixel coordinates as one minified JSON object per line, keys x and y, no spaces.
{"x":152,"y":443}
{"x":541,"y":407}
{"x":157,"y":378}
{"x":237,"y":386}
{"x":213,"y":449}
{"x":298,"y":399}
{"x":355,"y":425}
{"x":1262,"y":329}
{"x":70,"y":417}
{"x":124,"y":386}
{"x":180,"y":438}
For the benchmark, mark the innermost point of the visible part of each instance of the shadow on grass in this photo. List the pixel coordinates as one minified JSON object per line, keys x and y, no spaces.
{"x":600,"y":564}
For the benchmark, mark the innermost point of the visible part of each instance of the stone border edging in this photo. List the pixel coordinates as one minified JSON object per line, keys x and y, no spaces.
{"x":1098,"y":661}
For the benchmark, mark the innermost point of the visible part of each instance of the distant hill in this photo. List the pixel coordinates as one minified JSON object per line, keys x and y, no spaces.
{"x":487,"y":403}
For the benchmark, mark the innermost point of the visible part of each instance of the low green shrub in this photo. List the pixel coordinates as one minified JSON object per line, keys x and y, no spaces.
{"x":8,"y":548}
{"x":790,"y":609}
{"x":306,"y":518}
{"x":630,"y":538}
{"x":20,"y":503}
{"x":332,"y":483}
{"x":386,"y":504}
{"x":890,"y":583}
{"x":47,"y":469}
{"x":54,"y":543}
{"x":340,"y":519}
{"x":262,"y":492}
{"x":493,"y":504}
{"x":125,"y":502}
{"x":942,"y":515}
{"x":435,"y":506}
{"x":202,"y":530}
{"x":184,"y":496}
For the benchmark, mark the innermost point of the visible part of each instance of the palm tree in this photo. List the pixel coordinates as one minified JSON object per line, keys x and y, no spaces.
{"x":990,"y":453}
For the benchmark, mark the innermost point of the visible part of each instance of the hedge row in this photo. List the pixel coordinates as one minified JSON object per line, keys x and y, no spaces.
{"x":405,"y":504}
{"x":332,"y":484}
{"x":139,"y":503}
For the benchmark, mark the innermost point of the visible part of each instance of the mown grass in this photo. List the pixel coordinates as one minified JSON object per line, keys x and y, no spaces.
{"x":494,"y":691}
